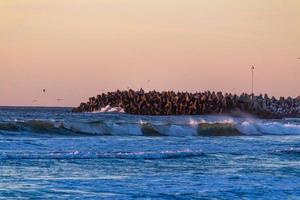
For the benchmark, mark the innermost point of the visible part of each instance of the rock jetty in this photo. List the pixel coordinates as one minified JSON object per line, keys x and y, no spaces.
{"x":199,"y":103}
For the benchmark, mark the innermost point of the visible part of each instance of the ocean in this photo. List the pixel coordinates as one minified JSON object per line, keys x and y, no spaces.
{"x":51,"y":153}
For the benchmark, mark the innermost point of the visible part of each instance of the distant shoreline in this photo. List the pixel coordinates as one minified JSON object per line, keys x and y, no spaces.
{"x":46,"y":107}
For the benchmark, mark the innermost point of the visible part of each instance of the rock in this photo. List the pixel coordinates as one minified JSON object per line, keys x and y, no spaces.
{"x":184,"y":103}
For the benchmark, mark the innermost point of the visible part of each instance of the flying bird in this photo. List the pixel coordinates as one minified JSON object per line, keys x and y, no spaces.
{"x":44,"y":90}
{"x":59,"y":99}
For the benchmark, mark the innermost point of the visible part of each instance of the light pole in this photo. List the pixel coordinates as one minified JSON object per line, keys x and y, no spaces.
{"x":252,"y":93}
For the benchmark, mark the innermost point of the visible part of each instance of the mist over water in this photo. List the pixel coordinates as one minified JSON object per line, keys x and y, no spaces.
{"x":53,"y":153}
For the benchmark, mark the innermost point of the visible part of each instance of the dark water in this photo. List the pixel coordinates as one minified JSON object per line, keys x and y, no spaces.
{"x":49,"y":153}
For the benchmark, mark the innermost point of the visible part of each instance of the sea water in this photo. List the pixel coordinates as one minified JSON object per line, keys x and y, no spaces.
{"x":51,"y":153}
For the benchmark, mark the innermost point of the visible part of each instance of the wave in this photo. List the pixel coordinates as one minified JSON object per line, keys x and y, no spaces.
{"x":109,"y":109}
{"x":148,"y":155}
{"x":218,"y":129}
{"x":291,"y":151}
{"x":153,"y":128}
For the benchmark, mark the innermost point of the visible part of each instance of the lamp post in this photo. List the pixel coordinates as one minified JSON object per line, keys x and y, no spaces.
{"x":252,"y":70}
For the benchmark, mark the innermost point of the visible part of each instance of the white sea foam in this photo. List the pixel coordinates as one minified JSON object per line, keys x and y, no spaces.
{"x":108,"y":109}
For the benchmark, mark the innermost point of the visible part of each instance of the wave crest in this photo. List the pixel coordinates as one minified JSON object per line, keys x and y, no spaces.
{"x":151,"y":127}
{"x":149,"y":155}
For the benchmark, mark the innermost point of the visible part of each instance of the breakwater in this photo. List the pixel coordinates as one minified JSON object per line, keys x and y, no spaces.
{"x":198,"y":103}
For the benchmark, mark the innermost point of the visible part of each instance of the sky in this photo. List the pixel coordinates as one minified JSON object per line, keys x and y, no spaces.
{"x":78,"y":48}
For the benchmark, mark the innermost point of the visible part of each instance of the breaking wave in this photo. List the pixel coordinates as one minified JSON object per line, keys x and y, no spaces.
{"x":109,"y":109}
{"x":180,"y":128}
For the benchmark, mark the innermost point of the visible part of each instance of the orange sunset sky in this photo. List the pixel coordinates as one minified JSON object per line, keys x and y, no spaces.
{"x":79,"y":48}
